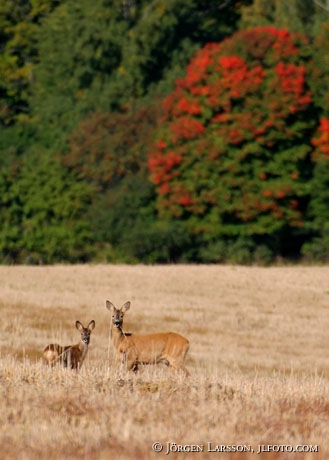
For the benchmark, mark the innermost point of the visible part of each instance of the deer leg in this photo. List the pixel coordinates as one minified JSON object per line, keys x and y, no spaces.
{"x":180,"y":369}
{"x":135,"y":368}
{"x":132,"y":365}
{"x":178,"y":366}
{"x":131,"y":359}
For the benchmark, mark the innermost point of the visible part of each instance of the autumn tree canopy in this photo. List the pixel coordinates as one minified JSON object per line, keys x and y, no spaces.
{"x":232,"y":155}
{"x":232,"y":166}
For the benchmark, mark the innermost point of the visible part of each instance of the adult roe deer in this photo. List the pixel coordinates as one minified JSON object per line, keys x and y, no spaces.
{"x":134,"y":349}
{"x":71,"y":356}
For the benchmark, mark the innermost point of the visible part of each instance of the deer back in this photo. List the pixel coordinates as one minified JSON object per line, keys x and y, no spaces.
{"x":158,"y":346}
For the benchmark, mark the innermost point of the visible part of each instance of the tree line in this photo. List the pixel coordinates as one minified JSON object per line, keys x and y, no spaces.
{"x":163,"y":131}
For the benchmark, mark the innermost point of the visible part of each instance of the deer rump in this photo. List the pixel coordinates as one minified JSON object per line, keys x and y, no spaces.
{"x":67,"y":356}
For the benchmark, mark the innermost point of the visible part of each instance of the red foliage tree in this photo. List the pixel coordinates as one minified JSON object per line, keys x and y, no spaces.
{"x":232,"y":152}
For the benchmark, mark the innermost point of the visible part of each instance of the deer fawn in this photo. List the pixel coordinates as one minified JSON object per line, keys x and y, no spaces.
{"x":134,"y":349}
{"x":71,"y":356}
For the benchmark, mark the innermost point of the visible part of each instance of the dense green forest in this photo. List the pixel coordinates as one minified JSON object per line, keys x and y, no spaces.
{"x":163,"y":131}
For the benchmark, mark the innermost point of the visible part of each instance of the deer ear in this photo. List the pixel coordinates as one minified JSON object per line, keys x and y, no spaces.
{"x":91,"y":325}
{"x":109,"y":305}
{"x":125,"y":307}
{"x":79,"y":326}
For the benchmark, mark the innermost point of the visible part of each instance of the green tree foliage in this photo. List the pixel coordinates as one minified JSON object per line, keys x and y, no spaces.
{"x":109,"y":148}
{"x":19,"y":21}
{"x":81,"y":60}
{"x":233,"y":176}
{"x":232,"y":157}
{"x":109,"y":152}
{"x":79,"y":47}
{"x":319,"y":69}
{"x":318,"y":247}
{"x":164,"y":34}
{"x":43,"y":214}
{"x":295,"y":15}
{"x":103,"y":56}
{"x":127,"y":228}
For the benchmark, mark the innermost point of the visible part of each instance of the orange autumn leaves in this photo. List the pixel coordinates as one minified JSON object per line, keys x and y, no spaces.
{"x":321,"y":140}
{"x":224,"y":145}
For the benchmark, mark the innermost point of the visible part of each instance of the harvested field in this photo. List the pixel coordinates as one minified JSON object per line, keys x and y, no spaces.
{"x":258,"y":360}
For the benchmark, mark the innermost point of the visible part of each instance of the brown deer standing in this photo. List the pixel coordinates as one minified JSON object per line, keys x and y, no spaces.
{"x":71,"y":356}
{"x":134,"y":349}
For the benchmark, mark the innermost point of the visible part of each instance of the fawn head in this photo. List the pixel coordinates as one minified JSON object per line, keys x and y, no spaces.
{"x":117,"y":313}
{"x":85,"y":331}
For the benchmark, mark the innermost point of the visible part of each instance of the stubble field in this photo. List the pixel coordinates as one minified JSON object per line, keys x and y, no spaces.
{"x":258,"y":360}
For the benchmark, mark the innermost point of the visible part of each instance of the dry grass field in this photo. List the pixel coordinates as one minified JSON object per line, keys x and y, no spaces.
{"x":258,"y":358}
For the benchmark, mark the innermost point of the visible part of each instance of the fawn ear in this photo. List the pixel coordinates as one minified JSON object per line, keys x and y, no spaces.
{"x":125,"y":307}
{"x":79,"y":326}
{"x":91,"y":325}
{"x":109,"y":305}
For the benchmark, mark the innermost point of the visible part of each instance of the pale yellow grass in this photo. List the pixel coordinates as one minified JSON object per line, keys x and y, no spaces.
{"x":258,"y":358}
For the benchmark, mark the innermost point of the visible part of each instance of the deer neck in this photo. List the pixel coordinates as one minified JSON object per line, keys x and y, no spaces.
{"x":117,"y":335}
{"x":83,"y":348}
